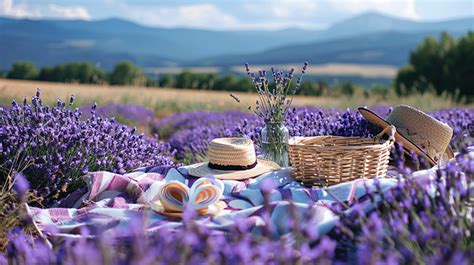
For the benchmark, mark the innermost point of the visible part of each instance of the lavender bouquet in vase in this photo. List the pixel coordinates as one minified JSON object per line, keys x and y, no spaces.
{"x":272,"y":107}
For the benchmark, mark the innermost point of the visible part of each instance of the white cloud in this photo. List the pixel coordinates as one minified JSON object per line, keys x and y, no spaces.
{"x":292,"y":8}
{"x":400,"y":8}
{"x":8,"y":8}
{"x":193,"y":15}
{"x":278,"y":14}
{"x":13,"y":10}
{"x":210,"y":16}
{"x":76,"y":12}
{"x":244,"y":14}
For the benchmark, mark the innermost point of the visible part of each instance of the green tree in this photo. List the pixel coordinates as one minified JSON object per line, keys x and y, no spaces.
{"x":378,"y":90}
{"x":227,"y":83}
{"x":126,"y":73}
{"x":245,"y":85}
{"x":167,"y":80}
{"x":207,"y":81}
{"x":310,"y":88}
{"x":405,"y":81}
{"x":23,"y":70}
{"x":98,"y":76}
{"x":87,"y":73}
{"x":344,"y":89}
{"x":82,"y":72}
{"x":460,"y":62}
{"x":443,"y":65}
{"x":184,"y":79}
{"x":149,"y":82}
{"x":45,"y":74}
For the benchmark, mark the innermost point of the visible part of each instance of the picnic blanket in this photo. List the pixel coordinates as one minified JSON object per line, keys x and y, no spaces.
{"x":111,"y":201}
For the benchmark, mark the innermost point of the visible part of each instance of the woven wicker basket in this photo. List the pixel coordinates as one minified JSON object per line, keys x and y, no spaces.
{"x":329,"y":160}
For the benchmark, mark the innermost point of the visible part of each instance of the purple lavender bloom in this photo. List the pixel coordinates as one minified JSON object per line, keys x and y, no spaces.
{"x":414,"y":224}
{"x":409,"y":224}
{"x":57,"y":146}
{"x":3,"y":260}
{"x":128,"y":114}
{"x":191,"y":244}
{"x":20,"y":186}
{"x":402,"y":229}
{"x":189,"y":133}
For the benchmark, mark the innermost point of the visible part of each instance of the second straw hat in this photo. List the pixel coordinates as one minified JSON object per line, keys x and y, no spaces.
{"x":417,"y":131}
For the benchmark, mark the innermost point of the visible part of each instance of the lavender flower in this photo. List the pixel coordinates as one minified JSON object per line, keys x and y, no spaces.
{"x":191,"y":244}
{"x":410,"y":224}
{"x":416,"y":222}
{"x":189,"y":133}
{"x":53,"y":147}
{"x":413,"y":223}
{"x":20,"y":186}
{"x":274,"y":104}
{"x":128,"y":114}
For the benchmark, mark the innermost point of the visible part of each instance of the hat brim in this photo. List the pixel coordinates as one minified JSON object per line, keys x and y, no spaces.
{"x":375,"y":119}
{"x":202,"y":169}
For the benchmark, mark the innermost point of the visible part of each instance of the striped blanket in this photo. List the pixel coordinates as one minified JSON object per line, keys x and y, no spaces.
{"x":110,"y":201}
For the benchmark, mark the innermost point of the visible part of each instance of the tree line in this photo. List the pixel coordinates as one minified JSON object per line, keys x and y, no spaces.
{"x":126,"y":73}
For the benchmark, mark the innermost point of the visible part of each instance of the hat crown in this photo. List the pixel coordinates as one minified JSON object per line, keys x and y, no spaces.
{"x":428,"y":133}
{"x":232,"y":152}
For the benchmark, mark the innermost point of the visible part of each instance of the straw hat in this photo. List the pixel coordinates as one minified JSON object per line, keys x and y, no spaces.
{"x":417,"y":131}
{"x":232,"y":158}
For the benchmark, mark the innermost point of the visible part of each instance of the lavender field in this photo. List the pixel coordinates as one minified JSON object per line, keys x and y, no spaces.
{"x":208,"y":132}
{"x":47,"y":149}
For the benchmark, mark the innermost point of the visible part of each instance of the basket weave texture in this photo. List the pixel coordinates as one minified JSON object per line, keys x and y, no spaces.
{"x":329,"y":160}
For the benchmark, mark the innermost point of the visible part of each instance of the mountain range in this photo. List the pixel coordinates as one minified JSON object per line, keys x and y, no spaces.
{"x":369,"y":38}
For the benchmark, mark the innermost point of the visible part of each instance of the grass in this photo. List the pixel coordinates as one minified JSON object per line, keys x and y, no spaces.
{"x":165,"y":101}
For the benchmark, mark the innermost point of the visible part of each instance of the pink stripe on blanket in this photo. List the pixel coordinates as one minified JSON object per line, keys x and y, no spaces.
{"x":118,"y":183}
{"x":152,"y":177}
{"x":95,"y":180}
{"x":86,"y":209}
{"x":119,"y":202}
{"x":149,"y":179}
{"x":352,"y":194}
{"x":59,"y":214}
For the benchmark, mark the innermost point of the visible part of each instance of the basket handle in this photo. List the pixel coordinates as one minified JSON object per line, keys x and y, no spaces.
{"x":390,"y":131}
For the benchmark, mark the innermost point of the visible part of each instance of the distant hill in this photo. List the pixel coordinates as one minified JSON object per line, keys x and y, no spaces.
{"x":47,"y":42}
{"x":370,"y":38}
{"x":367,"y":38}
{"x":382,"y":48}
{"x":372,"y":22}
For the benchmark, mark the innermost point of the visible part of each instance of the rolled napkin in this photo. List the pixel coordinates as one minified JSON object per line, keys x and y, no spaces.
{"x":175,"y":196}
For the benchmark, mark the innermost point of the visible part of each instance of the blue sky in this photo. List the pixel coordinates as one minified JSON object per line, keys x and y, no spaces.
{"x":235,"y":14}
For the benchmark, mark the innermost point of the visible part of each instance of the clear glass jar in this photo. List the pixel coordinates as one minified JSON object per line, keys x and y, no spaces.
{"x":274,"y":137}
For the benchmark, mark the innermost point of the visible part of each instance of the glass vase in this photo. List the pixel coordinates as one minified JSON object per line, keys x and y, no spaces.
{"x":274,"y":138}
